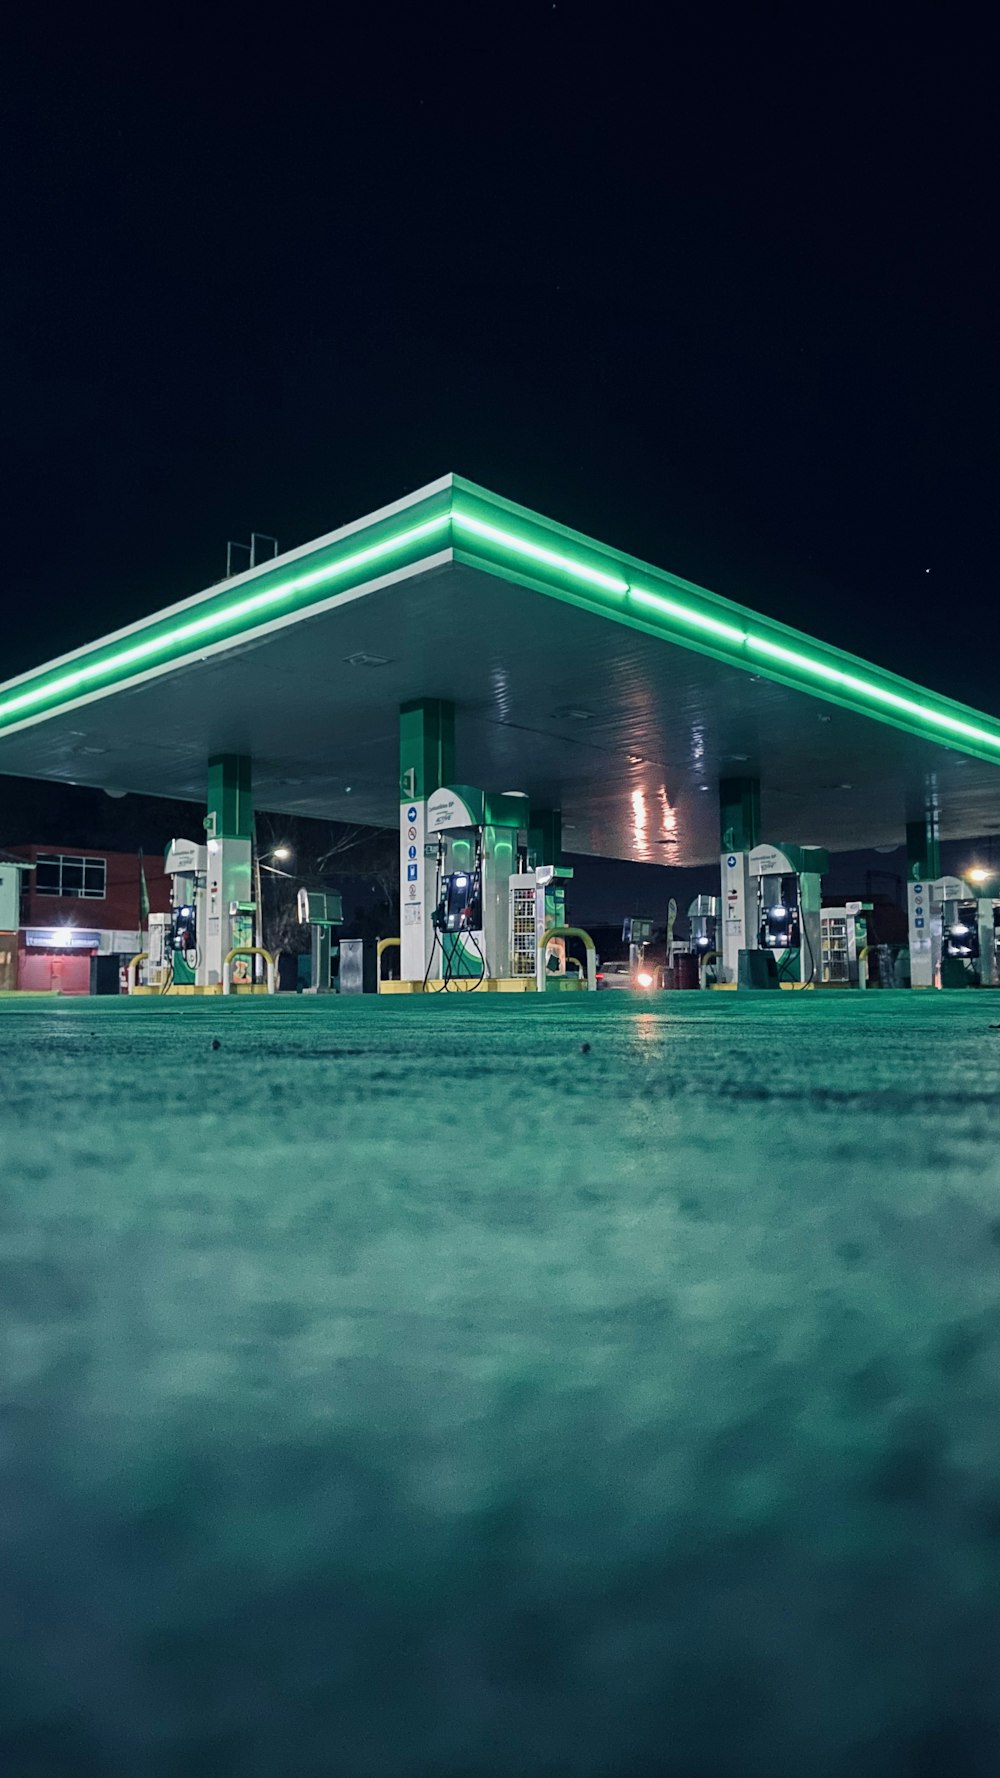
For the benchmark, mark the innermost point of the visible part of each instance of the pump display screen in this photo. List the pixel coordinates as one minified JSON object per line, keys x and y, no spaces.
{"x":460,"y":904}
{"x":182,"y":935}
{"x":961,"y":937}
{"x":779,"y":924}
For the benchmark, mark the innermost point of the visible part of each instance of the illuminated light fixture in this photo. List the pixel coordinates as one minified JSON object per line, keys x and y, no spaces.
{"x":644,"y":979}
{"x":792,"y":658}
{"x":282,"y":852}
{"x":687,"y":614}
{"x":536,"y":552}
{"x":868,"y":689}
{"x":164,"y":641}
{"x":523,"y":793}
{"x":220,"y":619}
{"x":978,"y":874}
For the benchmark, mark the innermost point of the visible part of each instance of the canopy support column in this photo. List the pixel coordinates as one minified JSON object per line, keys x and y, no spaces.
{"x":229,"y":909}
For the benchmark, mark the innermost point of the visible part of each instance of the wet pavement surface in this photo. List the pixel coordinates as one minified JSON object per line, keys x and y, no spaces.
{"x":395,"y":1388}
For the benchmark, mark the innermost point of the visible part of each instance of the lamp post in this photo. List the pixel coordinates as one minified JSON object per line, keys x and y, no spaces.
{"x":282,"y":854}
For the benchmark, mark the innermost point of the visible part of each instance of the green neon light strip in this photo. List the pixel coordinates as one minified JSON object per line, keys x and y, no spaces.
{"x":173,"y":641}
{"x":520,"y":546}
{"x":684,"y":614}
{"x":699,"y":619}
{"x":168,"y":641}
{"x":867,"y":689}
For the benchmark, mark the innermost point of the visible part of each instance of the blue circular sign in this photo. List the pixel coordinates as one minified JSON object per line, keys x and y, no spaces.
{"x":412,"y":852}
{"x":411,"y":813}
{"x":731,"y":860}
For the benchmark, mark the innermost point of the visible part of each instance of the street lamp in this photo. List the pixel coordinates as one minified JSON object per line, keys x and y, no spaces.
{"x":282,"y":854}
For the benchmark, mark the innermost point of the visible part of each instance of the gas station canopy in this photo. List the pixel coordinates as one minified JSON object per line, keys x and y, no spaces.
{"x":579,"y":675}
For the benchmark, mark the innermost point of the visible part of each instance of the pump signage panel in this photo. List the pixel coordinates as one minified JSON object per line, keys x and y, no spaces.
{"x":455,"y":806}
{"x":184,"y":858}
{"x":767,"y":861}
{"x":412,"y":875}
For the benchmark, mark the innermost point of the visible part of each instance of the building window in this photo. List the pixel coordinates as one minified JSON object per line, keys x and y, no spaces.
{"x":59,"y":873}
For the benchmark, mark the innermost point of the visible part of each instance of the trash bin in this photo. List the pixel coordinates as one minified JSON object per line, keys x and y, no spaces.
{"x":686,"y":969}
{"x":352,"y":966}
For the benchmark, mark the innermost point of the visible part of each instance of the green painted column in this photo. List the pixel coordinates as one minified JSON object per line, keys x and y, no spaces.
{"x":230,"y":796}
{"x":426,"y":761}
{"x":739,"y":814}
{"x":923,"y":849}
{"x":229,"y":878}
{"x":426,"y":747}
{"x":545,"y":835}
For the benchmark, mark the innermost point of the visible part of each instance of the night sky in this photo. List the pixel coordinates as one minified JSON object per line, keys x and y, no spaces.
{"x":719,"y":291}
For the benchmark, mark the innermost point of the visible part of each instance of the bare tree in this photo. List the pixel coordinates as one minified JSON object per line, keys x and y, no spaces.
{"x":320,"y":850}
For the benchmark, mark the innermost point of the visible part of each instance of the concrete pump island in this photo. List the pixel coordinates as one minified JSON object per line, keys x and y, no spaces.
{"x":498,"y":685}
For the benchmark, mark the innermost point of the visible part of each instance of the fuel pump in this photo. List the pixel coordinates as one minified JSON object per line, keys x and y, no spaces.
{"x":961,"y":951}
{"x":954,"y":935}
{"x":186,"y":865}
{"x":477,"y":850}
{"x":789,"y":901}
{"x":184,"y":938}
{"x":457,"y":915}
{"x":703,"y":915}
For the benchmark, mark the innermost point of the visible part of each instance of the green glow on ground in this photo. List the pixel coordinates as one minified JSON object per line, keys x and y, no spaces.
{"x":398,"y":1390}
